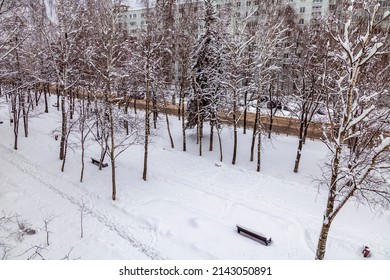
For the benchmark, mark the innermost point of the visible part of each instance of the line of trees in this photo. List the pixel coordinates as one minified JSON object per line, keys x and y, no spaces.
{"x":220,"y":67}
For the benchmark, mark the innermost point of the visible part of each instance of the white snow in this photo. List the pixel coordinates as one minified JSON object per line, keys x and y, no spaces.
{"x":361,"y":117}
{"x":187,"y":209}
{"x":383,"y":145}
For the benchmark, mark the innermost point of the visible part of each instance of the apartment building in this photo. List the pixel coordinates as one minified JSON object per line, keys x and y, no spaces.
{"x":308,"y":9}
{"x":134,"y":18}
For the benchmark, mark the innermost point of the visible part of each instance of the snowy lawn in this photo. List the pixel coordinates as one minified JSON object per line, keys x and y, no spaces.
{"x":187,"y":209}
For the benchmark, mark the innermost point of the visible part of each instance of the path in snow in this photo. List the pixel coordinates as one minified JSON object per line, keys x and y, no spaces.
{"x":75,"y":196}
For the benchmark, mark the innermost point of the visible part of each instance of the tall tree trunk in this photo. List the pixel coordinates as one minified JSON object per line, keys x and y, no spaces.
{"x":15,"y":119}
{"x":220,"y":143}
{"x":299,"y":154}
{"x":58,"y":97}
{"x":245,"y":110}
{"x":234,"y":127}
{"x":135,"y":105}
{"x":65,"y":149}
{"x":155,"y":112}
{"x":179,"y":114}
{"x":168,"y":125}
{"x":271,"y":121}
{"x":82,"y":157}
{"x":64,"y":158}
{"x":211,"y":136}
{"x":25,"y":116}
{"x":321,"y":246}
{"x":300,"y":144}
{"x":63,"y":127}
{"x":255,"y":124}
{"x":126,"y":122}
{"x":198,"y":120}
{"x":103,"y":151}
{"x":46,"y":103}
{"x":271,"y":114}
{"x":112,"y":151}
{"x":71,"y":105}
{"x":37,"y":95}
{"x":305,"y":129}
{"x":258,"y":149}
{"x":147,"y":128}
{"x":200,"y":137}
{"x":329,"y":215}
{"x":183,"y":123}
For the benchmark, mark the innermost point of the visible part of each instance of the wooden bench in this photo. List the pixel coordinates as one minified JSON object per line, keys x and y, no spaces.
{"x":97,"y":162}
{"x":253,"y":235}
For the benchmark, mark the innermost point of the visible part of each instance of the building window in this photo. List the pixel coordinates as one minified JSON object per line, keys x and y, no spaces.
{"x":251,"y":24}
{"x":248,"y":3}
{"x":301,"y":21}
{"x":238,"y":4}
{"x":302,"y":9}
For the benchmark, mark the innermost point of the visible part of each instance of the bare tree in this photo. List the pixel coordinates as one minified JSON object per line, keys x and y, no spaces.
{"x":149,"y":55}
{"x":13,"y":64}
{"x":268,"y":42}
{"x":84,"y":211}
{"x":46,"y":222}
{"x":358,"y":138}
{"x":62,"y":35}
{"x":85,"y":126}
{"x":238,"y":45}
{"x":6,"y":220}
{"x":185,"y":34}
{"x":107,"y":57}
{"x":309,"y":76}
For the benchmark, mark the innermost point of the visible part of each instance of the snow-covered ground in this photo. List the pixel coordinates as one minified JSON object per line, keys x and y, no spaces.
{"x":187,"y":209}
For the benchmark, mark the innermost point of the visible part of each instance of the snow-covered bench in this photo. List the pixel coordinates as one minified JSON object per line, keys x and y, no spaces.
{"x":253,"y":235}
{"x":97,"y":162}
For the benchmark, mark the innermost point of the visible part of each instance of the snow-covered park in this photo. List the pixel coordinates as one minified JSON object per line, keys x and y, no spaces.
{"x":187,"y":209}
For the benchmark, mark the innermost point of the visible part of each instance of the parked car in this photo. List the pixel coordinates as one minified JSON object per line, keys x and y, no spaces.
{"x":274,"y":104}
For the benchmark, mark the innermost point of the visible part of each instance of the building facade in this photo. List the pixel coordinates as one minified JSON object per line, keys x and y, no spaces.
{"x":134,"y":19}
